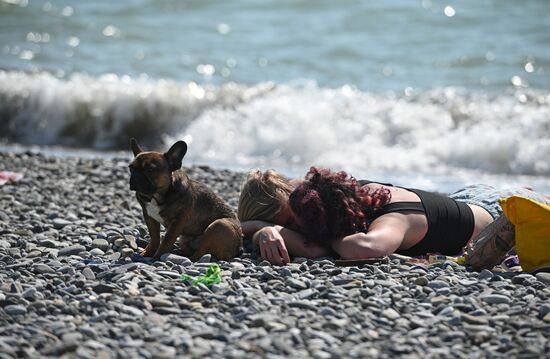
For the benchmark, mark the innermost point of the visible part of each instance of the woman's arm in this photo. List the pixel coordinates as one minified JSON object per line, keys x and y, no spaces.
{"x":277,"y":243}
{"x":375,"y":243}
{"x":251,"y":227}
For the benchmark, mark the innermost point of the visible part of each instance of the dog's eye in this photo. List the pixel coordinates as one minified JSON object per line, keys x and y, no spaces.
{"x":150,"y":169}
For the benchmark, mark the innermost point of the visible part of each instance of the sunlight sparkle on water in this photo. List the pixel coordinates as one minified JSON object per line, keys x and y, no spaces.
{"x":206,"y":69}
{"x":231,"y":62}
{"x":73,"y":41}
{"x":517,"y":81}
{"x":38,"y":37}
{"x":529,"y":67}
{"x":449,"y":11}
{"x":26,"y":55}
{"x":262,"y":62}
{"x":67,"y":11}
{"x":111,"y":30}
{"x":224,"y":29}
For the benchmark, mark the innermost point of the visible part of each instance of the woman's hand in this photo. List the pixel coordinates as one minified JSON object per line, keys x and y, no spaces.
{"x":272,"y":245}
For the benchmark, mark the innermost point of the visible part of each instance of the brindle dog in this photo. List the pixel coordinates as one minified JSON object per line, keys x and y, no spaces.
{"x":186,"y":208}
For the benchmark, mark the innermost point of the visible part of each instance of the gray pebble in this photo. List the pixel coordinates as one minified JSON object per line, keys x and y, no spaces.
{"x":422,"y":281}
{"x":59,"y":223}
{"x":544,"y":310}
{"x":126,"y":252}
{"x":437,"y":284}
{"x":15,"y":309}
{"x":71,"y":250}
{"x":496,"y":299}
{"x":520,"y":278}
{"x":88,"y":273}
{"x":485,"y":275}
{"x":205,"y":258}
{"x":544,"y":277}
{"x":29,"y":293}
{"x":42,"y":269}
{"x":101,"y":244}
{"x":104,"y":288}
{"x":390,"y":313}
{"x":295,"y":283}
{"x":96,"y":252}
{"x":179,"y":260}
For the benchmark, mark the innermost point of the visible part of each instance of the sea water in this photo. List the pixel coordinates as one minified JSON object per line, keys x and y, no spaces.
{"x":433,"y":94}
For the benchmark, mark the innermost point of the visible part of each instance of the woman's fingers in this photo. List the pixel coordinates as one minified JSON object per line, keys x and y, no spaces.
{"x":274,"y":253}
{"x":275,"y":256}
{"x":283,"y":253}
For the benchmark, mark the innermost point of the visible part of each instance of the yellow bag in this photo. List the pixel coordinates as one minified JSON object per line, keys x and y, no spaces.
{"x":532,"y":222}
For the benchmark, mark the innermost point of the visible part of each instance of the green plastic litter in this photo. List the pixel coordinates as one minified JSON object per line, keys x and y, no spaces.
{"x":212,"y":276}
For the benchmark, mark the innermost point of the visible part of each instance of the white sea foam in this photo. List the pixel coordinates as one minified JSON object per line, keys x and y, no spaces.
{"x":436,"y":131}
{"x":449,"y":133}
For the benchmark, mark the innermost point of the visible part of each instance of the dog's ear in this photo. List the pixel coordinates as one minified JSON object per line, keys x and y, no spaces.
{"x":175,"y":155}
{"x":135,"y":147}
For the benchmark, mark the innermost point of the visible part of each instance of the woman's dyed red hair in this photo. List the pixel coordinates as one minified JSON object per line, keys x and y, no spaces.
{"x":332,"y":205}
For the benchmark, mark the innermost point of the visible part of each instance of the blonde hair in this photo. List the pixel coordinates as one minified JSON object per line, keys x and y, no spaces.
{"x":262,"y":195}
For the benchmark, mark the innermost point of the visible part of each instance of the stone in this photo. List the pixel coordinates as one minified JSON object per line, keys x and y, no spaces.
{"x":544,"y":277}
{"x":59,"y":223}
{"x":96,"y":252}
{"x":42,"y":268}
{"x":126,"y":252}
{"x":496,"y":299}
{"x":471,"y":319}
{"x":71,"y":250}
{"x":390,"y":313}
{"x":174,"y":258}
{"x":295,"y":283}
{"x":437,"y":284}
{"x":485,"y":274}
{"x":88,"y":273}
{"x":15,"y":309}
{"x":101,"y":243}
{"x":29,"y":293}
{"x":421,"y":281}
{"x":520,"y":278}
{"x":543,"y":310}
{"x":205,"y":258}
{"x":104,"y":288}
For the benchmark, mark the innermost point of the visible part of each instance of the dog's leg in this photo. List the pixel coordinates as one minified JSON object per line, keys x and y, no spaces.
{"x":154,"y":232}
{"x":186,"y":245}
{"x":170,"y":238}
{"x":223,"y":239}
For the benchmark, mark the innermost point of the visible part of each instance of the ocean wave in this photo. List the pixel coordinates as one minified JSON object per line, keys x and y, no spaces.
{"x":297,"y":124}
{"x":103,"y":112}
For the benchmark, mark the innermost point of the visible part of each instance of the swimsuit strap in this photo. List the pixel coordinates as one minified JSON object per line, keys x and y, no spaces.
{"x":400,"y":207}
{"x":364,"y":182}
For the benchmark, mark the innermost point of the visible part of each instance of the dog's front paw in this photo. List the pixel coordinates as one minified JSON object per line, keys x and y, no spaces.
{"x":138,"y":258}
{"x":147,"y":252}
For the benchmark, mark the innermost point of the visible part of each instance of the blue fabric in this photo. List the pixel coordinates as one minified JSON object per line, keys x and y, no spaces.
{"x":487,"y":196}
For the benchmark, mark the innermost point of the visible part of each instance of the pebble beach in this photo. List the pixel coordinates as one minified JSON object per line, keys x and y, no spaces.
{"x":70,"y":287}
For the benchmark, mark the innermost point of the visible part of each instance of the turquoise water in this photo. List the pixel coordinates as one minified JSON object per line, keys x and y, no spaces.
{"x":432,"y":93}
{"x":374,"y":45}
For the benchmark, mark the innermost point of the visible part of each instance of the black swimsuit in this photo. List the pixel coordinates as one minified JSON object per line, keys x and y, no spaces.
{"x":450,"y":223}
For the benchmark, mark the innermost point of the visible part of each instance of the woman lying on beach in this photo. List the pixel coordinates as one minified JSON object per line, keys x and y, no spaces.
{"x":331,"y":213}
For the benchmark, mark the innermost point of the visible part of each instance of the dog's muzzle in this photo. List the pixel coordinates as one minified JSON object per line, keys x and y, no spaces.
{"x":139,"y":182}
